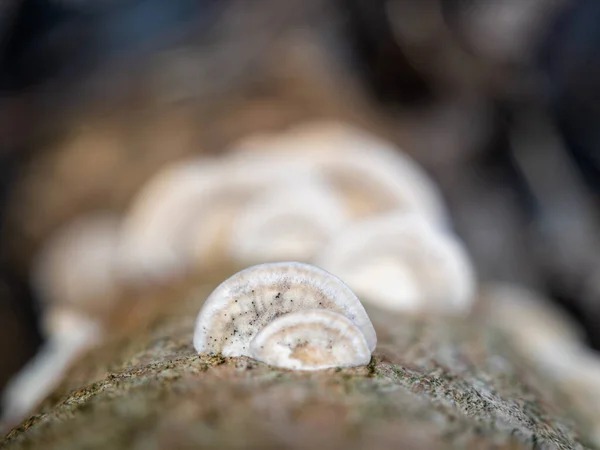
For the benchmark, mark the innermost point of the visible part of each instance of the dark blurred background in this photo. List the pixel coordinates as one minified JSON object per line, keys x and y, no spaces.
{"x":499,"y":101}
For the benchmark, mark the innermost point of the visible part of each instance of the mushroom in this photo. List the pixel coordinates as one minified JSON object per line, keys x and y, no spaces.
{"x":287,"y":223}
{"x":74,"y":274}
{"x":538,"y":328}
{"x":77,"y":265}
{"x":401,"y":262}
{"x":210,"y":232}
{"x":74,"y":335}
{"x":371,"y":174}
{"x":551,"y":340}
{"x":311,"y":340}
{"x":152,"y":243}
{"x":183,"y":216}
{"x":245,"y":303}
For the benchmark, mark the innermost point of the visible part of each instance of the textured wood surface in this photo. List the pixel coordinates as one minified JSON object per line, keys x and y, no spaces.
{"x":432,"y":383}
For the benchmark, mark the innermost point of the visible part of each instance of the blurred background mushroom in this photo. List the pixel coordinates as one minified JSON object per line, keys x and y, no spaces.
{"x":401,"y":262}
{"x":497,"y":103}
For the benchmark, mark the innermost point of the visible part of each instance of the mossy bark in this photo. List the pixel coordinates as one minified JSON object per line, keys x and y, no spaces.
{"x":432,"y":383}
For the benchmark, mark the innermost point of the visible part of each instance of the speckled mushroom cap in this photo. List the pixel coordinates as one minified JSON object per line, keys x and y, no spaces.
{"x":291,"y":222}
{"x":311,"y":340}
{"x":249,"y":300}
{"x":402,"y":262}
{"x":371,"y":174}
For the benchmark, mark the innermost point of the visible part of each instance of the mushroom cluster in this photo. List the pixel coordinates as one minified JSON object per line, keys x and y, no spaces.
{"x":288,"y":314}
{"x":323,"y":192}
{"x":402,"y":262}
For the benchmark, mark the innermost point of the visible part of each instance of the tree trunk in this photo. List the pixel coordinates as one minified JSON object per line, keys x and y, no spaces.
{"x":432,"y":383}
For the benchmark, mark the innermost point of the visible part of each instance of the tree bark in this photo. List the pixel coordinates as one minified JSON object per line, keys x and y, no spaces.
{"x":432,"y":383}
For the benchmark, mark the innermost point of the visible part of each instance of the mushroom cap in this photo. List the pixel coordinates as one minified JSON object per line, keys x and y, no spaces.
{"x":311,"y":340}
{"x":371,"y":173}
{"x":45,"y":371}
{"x":389,"y":280}
{"x":402,"y":262}
{"x":239,"y":183}
{"x":183,"y":215}
{"x":246,"y":302}
{"x":152,"y":243}
{"x":292,"y":222}
{"x":65,"y":321}
{"x":546,"y":336}
{"x":77,"y":265}
{"x":538,"y":326}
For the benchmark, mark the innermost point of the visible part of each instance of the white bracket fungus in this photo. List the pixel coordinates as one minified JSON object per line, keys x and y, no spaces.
{"x":153,"y":244}
{"x":371,"y":174}
{"x":291,"y":222}
{"x":402,"y":262}
{"x":77,"y":265}
{"x":240,"y":307}
{"x":311,"y":340}
{"x":74,"y":335}
{"x":549,"y":339}
{"x":183,"y":215}
{"x":237,"y":184}
{"x":539,"y":329}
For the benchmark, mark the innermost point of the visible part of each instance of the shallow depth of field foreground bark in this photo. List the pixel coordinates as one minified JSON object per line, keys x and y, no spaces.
{"x":432,"y":383}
